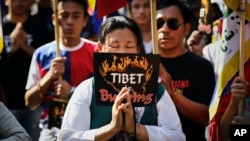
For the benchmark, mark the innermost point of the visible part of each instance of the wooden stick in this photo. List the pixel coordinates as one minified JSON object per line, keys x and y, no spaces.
{"x":205,"y":5}
{"x":154,"y":32}
{"x":241,"y":51}
{"x":56,"y":31}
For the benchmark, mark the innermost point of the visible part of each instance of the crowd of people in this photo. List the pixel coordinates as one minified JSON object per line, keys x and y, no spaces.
{"x":47,"y":93}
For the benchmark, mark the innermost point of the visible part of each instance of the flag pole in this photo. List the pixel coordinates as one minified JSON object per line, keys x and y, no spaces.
{"x":241,"y":50}
{"x":56,"y":30}
{"x":154,"y":32}
{"x":205,"y":5}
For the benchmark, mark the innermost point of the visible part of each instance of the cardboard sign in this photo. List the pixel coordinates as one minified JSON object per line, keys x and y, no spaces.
{"x":113,"y":71}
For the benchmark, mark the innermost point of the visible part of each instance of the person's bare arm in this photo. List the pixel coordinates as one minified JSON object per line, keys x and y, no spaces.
{"x":141,"y":132}
{"x":34,"y":95}
{"x":106,"y":132}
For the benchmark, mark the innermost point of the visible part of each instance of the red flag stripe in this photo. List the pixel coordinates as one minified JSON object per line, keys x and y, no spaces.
{"x":105,"y":7}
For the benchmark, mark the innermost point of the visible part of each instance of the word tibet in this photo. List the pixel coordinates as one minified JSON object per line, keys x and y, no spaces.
{"x":125,"y":78}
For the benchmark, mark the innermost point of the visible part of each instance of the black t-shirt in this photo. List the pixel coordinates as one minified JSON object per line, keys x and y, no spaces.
{"x":192,"y":76}
{"x":20,"y":61}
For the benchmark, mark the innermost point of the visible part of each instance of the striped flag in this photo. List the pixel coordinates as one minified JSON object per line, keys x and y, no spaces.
{"x":217,"y":30}
{"x":1,"y":31}
{"x":226,"y":64}
{"x":104,"y":8}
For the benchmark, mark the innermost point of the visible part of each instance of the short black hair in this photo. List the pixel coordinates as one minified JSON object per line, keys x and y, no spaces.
{"x":185,"y":12}
{"x":83,"y":3}
{"x":120,"y":22}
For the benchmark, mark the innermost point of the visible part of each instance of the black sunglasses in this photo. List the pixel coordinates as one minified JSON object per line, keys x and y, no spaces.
{"x":172,"y":24}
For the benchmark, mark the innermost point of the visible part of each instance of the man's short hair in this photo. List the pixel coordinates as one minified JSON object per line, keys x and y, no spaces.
{"x":185,"y":12}
{"x":83,"y":3}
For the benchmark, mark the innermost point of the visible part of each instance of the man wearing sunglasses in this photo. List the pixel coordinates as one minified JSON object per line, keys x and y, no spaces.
{"x":192,"y":76}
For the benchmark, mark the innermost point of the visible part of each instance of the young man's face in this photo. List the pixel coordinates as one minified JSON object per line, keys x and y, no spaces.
{"x":140,"y":11}
{"x":19,"y":7}
{"x":171,"y":28}
{"x":71,"y":19}
{"x":120,"y":41}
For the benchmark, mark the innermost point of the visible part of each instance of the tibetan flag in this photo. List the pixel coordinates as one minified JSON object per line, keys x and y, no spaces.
{"x":1,"y":31}
{"x":226,"y":65}
{"x":105,"y":7}
{"x":217,"y":30}
{"x":96,"y":22}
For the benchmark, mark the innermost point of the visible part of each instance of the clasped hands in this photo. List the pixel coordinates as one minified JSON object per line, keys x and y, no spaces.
{"x":123,"y":105}
{"x":19,"y":38}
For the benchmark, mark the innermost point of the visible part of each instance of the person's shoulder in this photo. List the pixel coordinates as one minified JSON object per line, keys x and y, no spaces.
{"x":197,"y":57}
{"x":199,"y":60}
{"x":1,"y":104}
{"x":87,"y":41}
{"x":3,"y":108}
{"x":46,"y":47}
{"x":86,"y":85}
{"x":91,"y":44}
{"x":90,"y":79}
{"x":87,"y":82}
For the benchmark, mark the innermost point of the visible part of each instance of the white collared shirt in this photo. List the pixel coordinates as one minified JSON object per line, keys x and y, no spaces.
{"x":76,"y":121}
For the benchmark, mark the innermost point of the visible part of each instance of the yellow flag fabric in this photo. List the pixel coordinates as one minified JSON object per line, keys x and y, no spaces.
{"x":217,"y":30}
{"x":235,"y":4}
{"x":1,"y":32}
{"x":91,"y":6}
{"x":226,"y":58}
